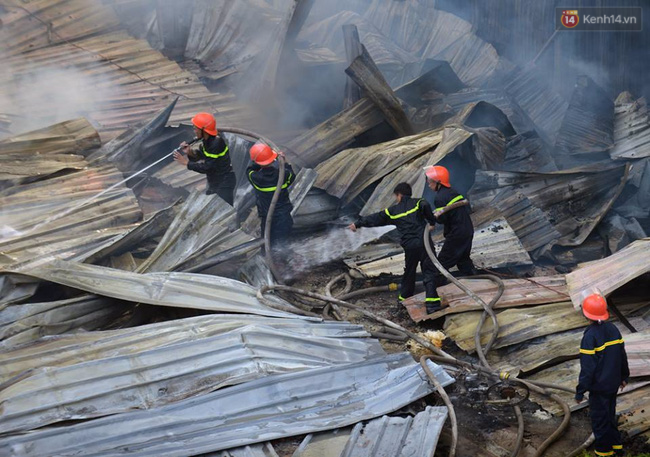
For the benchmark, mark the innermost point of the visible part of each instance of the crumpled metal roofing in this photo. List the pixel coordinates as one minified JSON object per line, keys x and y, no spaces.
{"x":494,"y":246}
{"x":575,"y":200}
{"x":631,"y":128}
{"x":83,"y":347}
{"x":396,"y":436}
{"x":610,"y":273}
{"x":26,"y":322}
{"x":183,"y":290}
{"x":260,"y":410}
{"x":349,"y":172}
{"x":201,"y":222}
{"x":36,"y":154}
{"x":517,"y":325}
{"x":128,"y":80}
{"x":588,"y":123}
{"x":154,"y":377}
{"x":543,"y":106}
{"x":411,"y":172}
{"x":43,"y":227}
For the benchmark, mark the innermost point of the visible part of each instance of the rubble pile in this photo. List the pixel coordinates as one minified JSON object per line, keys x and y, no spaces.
{"x":131,"y":316}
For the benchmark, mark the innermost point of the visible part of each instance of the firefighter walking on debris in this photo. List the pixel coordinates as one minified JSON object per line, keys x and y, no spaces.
{"x":263,"y":176}
{"x":452,"y":210}
{"x":410,"y":216}
{"x":603,"y":369}
{"x":209,"y":156}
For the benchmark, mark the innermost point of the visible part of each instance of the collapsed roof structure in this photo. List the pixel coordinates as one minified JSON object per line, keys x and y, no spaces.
{"x":131,"y":319}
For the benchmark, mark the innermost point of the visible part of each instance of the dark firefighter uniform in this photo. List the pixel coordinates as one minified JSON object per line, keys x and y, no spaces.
{"x":264,"y":181}
{"x":603,"y":368}
{"x":212,"y":158}
{"x":458,"y":232}
{"x":410,"y":216}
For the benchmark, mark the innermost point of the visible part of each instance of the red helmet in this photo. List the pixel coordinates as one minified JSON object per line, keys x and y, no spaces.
{"x":262,"y":154}
{"x":438,"y":174}
{"x":205,"y":122}
{"x":594,"y":307}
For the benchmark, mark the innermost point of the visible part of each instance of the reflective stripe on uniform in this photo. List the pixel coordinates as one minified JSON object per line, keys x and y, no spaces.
{"x":604,"y":453}
{"x":397,"y":216}
{"x":400,"y":298}
{"x":453,"y":200}
{"x":600,"y":348}
{"x":268,"y":189}
{"x":617,"y":447}
{"x":215,"y":156}
{"x":432,"y":299}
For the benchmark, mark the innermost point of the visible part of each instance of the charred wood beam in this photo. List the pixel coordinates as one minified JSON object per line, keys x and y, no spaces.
{"x":365,"y":73}
{"x":353,"y":49}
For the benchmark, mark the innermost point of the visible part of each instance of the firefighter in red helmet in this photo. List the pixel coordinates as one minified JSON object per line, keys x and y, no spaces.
{"x":451,"y":210}
{"x":263,"y":176}
{"x":209,"y":156}
{"x":603,"y":370}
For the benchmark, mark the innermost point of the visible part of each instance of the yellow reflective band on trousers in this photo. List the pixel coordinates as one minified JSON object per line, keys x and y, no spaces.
{"x":411,"y":211}
{"x":268,"y":189}
{"x":617,"y":447}
{"x":600,"y":348}
{"x":604,"y":453}
{"x":453,"y":200}
{"x":400,"y":298}
{"x":215,"y":156}
{"x":432,"y":299}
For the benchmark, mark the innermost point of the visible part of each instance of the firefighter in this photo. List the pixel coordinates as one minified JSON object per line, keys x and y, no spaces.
{"x":452,"y":210}
{"x":410,"y":216}
{"x":263,"y":176}
{"x":603,"y":369}
{"x":209,"y":156}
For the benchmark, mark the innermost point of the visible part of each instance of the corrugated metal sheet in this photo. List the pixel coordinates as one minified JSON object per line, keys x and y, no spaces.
{"x":40,"y":153}
{"x":256,"y":450}
{"x":515,"y":325}
{"x":43,"y":226}
{"x":333,"y":135}
{"x":398,"y":437}
{"x":588,"y":124}
{"x":518,"y":292}
{"x":183,"y":290}
{"x":83,"y":347}
{"x":575,"y":200}
{"x":349,"y":172}
{"x":494,"y":246}
{"x":552,"y":349}
{"x":201,"y":222}
{"x":537,"y":101}
{"x":261,"y":410}
{"x":520,"y":324}
{"x":610,"y":273}
{"x":27,"y":322}
{"x":126,"y":80}
{"x":411,"y":172}
{"x":531,"y":225}
{"x":151,"y":378}
{"x":631,"y":128}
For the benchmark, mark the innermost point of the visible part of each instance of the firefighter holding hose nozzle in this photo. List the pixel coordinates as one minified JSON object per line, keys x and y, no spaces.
{"x":209,"y":156}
